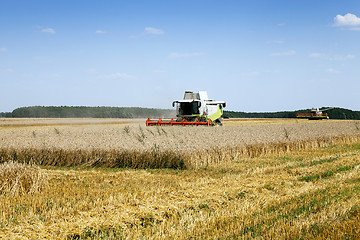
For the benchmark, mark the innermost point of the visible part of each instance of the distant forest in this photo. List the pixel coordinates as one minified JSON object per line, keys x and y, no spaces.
{"x":137,"y":112}
{"x":88,"y":112}
{"x":335,"y":113}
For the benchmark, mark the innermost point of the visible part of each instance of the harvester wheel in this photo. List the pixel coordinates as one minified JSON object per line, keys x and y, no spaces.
{"x":218,"y":122}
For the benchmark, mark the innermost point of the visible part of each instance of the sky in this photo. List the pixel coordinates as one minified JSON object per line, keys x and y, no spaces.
{"x":257,"y":55}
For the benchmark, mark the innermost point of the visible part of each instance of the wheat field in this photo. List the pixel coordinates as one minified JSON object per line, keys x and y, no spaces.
{"x":124,"y":143}
{"x":117,"y":179}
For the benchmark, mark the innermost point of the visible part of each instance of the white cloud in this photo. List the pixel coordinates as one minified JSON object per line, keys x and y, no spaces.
{"x":348,"y":21}
{"x":148,"y":31}
{"x":100,"y":32}
{"x":332,"y":58}
{"x":331,"y":70}
{"x":121,"y":76}
{"x":155,"y":31}
{"x":281,"y":24}
{"x":315,"y":55}
{"x":287,"y":53}
{"x":181,"y":55}
{"x":3,"y":49}
{"x":350,"y":56}
{"x":342,"y":58}
{"x":48,"y":30}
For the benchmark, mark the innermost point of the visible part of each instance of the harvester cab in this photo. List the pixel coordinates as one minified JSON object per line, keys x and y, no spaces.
{"x":195,"y":109}
{"x":199,"y":106}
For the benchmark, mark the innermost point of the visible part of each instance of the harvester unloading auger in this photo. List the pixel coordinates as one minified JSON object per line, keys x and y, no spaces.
{"x":195,"y":109}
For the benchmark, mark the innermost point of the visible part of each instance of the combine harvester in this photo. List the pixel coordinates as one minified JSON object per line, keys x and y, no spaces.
{"x":315,"y":114}
{"x":195,"y":109}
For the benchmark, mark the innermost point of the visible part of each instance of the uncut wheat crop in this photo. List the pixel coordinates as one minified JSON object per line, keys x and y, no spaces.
{"x":99,"y":141}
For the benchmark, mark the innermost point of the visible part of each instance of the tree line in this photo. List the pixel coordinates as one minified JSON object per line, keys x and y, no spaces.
{"x":5,"y":115}
{"x":137,"y":112}
{"x":335,"y":113}
{"x":88,"y":112}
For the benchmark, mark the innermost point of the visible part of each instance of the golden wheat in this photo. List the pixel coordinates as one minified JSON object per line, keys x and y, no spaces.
{"x":121,"y":144}
{"x":135,"y":136}
{"x":271,"y":179}
{"x":303,"y":194}
{"x":18,"y":178}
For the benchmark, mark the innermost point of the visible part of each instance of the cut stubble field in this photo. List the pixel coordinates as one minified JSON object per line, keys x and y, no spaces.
{"x":114,"y":179}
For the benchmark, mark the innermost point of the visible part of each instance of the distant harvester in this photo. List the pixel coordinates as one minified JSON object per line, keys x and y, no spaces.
{"x":314,"y":114}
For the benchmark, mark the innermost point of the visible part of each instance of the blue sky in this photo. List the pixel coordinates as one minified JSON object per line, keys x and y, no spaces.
{"x":257,"y":55}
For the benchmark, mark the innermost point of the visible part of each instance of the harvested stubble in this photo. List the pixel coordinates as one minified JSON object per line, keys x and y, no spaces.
{"x":267,"y":197}
{"x":17,"y":178}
